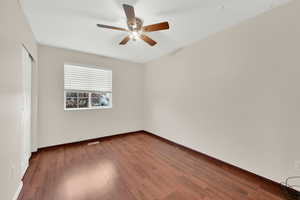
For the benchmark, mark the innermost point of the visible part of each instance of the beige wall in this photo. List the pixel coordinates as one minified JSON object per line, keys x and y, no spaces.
{"x":14,"y":32}
{"x":57,"y":126}
{"x":235,"y":95}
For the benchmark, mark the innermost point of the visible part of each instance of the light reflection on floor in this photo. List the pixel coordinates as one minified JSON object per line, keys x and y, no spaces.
{"x":88,"y":180}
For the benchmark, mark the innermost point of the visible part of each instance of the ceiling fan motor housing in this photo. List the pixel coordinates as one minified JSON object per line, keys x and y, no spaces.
{"x":135,"y":24}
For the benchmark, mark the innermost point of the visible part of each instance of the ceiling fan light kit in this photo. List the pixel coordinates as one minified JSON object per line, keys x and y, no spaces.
{"x":136,"y":29}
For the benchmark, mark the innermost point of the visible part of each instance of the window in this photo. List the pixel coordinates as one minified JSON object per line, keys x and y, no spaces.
{"x":87,"y":88}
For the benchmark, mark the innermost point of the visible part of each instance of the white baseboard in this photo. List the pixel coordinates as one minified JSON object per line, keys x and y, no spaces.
{"x":18,"y":191}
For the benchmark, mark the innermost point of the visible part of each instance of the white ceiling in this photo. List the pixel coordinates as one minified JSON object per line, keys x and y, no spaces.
{"x":71,"y":24}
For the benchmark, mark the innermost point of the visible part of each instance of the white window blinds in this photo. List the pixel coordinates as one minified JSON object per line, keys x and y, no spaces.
{"x":88,"y":79}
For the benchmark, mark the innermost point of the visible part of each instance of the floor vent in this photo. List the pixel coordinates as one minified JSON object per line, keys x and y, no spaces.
{"x":93,"y":143}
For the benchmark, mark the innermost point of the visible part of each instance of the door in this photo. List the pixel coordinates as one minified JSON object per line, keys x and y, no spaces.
{"x":26,"y":118}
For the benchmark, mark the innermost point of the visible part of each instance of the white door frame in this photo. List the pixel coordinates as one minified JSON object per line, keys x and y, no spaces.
{"x":26,"y":116}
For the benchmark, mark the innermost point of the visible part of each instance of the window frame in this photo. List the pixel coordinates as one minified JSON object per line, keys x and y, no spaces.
{"x":89,"y":92}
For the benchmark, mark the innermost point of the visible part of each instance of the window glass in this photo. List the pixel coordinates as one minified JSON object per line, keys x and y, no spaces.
{"x":101,"y":99}
{"x":83,"y":100}
{"x":71,"y":100}
{"x":95,"y":99}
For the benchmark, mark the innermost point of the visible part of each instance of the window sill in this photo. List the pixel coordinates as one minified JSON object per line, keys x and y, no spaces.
{"x":95,"y":108}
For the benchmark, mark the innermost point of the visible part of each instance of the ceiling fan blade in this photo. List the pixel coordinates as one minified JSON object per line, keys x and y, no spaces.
{"x":129,"y":11}
{"x":112,"y":27}
{"x":125,"y":40}
{"x":148,"y":40}
{"x":156,"y":27}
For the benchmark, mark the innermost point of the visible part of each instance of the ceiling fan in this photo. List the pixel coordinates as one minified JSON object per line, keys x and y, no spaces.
{"x":136,"y":30}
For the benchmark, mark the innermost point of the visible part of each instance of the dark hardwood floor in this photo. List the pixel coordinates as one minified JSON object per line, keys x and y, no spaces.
{"x":137,"y":167}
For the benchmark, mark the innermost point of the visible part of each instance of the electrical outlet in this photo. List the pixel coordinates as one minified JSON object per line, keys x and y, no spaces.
{"x":297,"y":164}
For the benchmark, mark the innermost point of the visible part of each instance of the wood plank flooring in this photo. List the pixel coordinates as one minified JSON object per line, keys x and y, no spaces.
{"x":137,"y":167}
